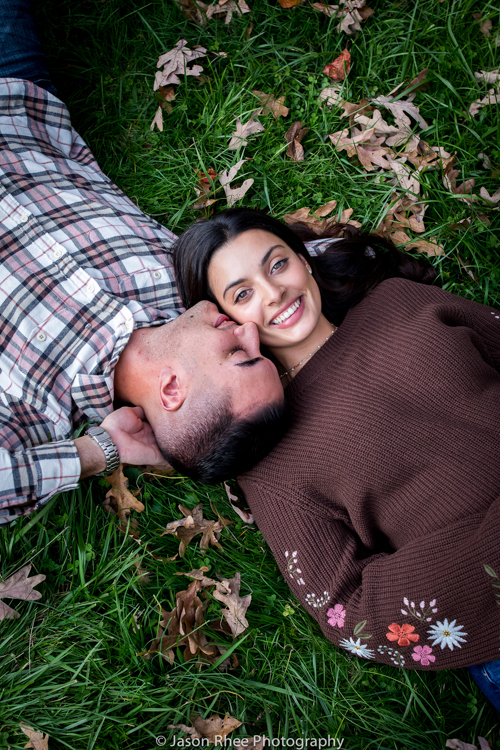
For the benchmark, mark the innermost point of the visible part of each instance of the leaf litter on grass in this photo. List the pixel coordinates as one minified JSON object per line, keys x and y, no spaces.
{"x":193,"y":523}
{"x":37,"y":740}
{"x":19,"y":586}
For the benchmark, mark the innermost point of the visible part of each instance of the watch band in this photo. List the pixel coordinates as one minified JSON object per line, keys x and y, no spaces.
{"x":104,"y":442}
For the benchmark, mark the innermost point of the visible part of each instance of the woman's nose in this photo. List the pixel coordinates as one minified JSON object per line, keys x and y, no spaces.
{"x":272,"y":293}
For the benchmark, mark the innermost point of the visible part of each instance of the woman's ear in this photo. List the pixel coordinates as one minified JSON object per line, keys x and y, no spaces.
{"x":304,"y":261}
{"x":173,"y":390}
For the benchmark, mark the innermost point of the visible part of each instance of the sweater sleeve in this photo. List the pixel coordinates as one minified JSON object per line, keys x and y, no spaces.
{"x":402,"y":607}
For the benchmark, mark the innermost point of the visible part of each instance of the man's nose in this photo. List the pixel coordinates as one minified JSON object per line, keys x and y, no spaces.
{"x":248,"y":335}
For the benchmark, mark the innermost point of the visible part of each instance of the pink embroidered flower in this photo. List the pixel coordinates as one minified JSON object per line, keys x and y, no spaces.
{"x":336,"y":616}
{"x":423,"y":654}
{"x":403,"y":634}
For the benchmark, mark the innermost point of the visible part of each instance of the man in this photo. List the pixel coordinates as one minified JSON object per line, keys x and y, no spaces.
{"x":85,"y":288}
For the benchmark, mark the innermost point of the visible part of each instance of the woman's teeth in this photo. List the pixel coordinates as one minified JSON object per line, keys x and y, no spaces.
{"x":285,"y":315}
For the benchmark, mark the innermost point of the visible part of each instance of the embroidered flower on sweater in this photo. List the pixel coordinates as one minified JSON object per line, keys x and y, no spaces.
{"x":403,"y":634}
{"x":423,"y":654}
{"x":394,"y":655}
{"x":292,"y":567}
{"x":336,"y":616}
{"x":421,"y":611}
{"x":447,"y":634}
{"x":357,"y":648}
{"x":314,"y":600}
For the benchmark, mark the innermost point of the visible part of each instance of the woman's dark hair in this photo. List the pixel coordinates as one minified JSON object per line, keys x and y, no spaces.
{"x":345,"y":272}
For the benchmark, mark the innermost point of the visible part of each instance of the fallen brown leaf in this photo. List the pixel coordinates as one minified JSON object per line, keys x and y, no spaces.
{"x":205,"y":189}
{"x":194,"y":10}
{"x":236,"y":605}
{"x":485,"y":25}
{"x":270,"y":104}
{"x":351,"y":15}
{"x":421,"y":246}
{"x":37,"y":740}
{"x":245,"y":515}
{"x":243,"y":130}
{"x":119,"y":501}
{"x":290,"y":3}
{"x":492,"y":76}
{"x":228,"y":8}
{"x":459,"y":745}
{"x":402,"y":109}
{"x":293,"y":137}
{"x":193,"y":523}
{"x":215,"y":729}
{"x":450,"y":181}
{"x":18,"y":586}
{"x":340,"y":67}
{"x":317,"y":220}
{"x":234,"y":194}
{"x":183,"y":626}
{"x":492,"y":97}
{"x":495,"y":198}
{"x":175,"y":63}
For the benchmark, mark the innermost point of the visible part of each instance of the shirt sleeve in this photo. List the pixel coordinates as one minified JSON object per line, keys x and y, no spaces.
{"x":427,"y":605}
{"x":29,"y":478}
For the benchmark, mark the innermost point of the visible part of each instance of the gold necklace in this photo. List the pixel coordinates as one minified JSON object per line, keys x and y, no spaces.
{"x":334,"y":328}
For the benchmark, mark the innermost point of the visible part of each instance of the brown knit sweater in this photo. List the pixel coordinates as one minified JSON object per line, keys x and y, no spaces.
{"x":382,"y":502}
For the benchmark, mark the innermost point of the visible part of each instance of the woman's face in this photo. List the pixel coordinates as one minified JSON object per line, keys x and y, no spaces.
{"x":257,"y":277}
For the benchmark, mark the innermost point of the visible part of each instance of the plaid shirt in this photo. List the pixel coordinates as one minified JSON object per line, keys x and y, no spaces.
{"x":80,"y":267}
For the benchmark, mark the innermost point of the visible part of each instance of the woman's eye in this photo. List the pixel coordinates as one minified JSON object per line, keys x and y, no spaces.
{"x":241,"y":296}
{"x":279,"y":264}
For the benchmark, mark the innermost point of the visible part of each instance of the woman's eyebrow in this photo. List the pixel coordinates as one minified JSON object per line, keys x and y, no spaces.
{"x":240,"y":281}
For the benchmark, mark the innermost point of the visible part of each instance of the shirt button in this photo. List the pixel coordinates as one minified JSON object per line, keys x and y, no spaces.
{"x":57,"y":253}
{"x":41,"y":336}
{"x":91,"y":287}
{"x":129,"y":325}
{"x":25,"y":218}
{"x":157,"y":274}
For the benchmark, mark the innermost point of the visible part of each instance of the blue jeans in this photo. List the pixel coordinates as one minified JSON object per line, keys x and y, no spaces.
{"x":21,"y":53}
{"x":487,"y":678}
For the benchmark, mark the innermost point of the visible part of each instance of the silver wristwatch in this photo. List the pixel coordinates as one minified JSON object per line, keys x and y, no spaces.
{"x":104,"y":442}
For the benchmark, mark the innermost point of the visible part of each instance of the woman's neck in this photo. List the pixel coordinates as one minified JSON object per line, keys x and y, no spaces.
{"x":290,"y":356}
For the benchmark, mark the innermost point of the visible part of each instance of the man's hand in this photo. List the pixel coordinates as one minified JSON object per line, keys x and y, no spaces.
{"x":132,"y":436}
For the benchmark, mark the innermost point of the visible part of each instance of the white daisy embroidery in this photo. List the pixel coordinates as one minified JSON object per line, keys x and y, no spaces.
{"x":293,"y":569}
{"x":447,"y":634}
{"x":315,"y":600}
{"x":357,"y":648}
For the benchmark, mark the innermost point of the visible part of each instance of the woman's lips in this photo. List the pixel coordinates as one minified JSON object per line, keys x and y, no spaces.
{"x":294,"y":317}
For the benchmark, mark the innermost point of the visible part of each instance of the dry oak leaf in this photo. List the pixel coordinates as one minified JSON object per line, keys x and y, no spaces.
{"x":402,"y":109}
{"x":234,"y":194}
{"x":236,"y":605}
{"x":194,"y":10}
{"x":228,"y":8}
{"x":492,"y":76}
{"x":492,"y":97}
{"x":243,"y":130}
{"x":290,"y":3}
{"x":245,"y":515}
{"x":340,"y":67}
{"x":450,"y":181}
{"x":119,"y":500}
{"x":199,"y":575}
{"x":495,"y":198}
{"x":157,"y":120}
{"x":37,"y":740}
{"x":317,"y":221}
{"x":331,"y":95}
{"x":18,"y":586}
{"x":183,"y":627}
{"x":175,"y":63}
{"x":204,"y":189}
{"x":193,"y":524}
{"x":270,"y":104}
{"x":484,"y":26}
{"x":215,"y":729}
{"x":421,"y":246}
{"x":459,"y":745}
{"x":352,"y":14}
{"x":293,"y":137}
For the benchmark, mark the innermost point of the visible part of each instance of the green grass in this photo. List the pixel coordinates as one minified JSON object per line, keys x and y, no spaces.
{"x":71,"y":664}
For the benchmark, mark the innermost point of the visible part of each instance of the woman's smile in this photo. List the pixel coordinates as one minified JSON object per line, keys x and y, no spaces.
{"x":290,"y":315}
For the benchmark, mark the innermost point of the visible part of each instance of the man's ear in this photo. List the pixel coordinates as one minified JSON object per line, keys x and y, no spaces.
{"x":173,"y":389}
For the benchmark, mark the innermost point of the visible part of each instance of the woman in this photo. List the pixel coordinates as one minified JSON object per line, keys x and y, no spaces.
{"x":382,"y":503}
{"x":296,"y":300}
